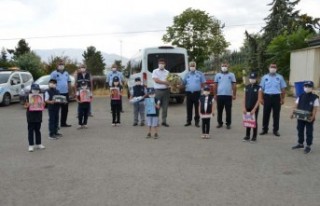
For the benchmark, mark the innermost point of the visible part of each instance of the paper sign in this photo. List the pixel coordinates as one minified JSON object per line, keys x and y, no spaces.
{"x":115,"y":93}
{"x":36,"y":102}
{"x":85,"y":95}
{"x":249,"y":120}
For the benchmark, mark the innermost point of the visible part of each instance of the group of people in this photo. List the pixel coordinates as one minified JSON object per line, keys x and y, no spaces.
{"x":148,"y":102}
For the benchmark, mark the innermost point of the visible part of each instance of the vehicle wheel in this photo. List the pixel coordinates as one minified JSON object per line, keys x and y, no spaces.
{"x":179,"y":100}
{"x":6,"y":99}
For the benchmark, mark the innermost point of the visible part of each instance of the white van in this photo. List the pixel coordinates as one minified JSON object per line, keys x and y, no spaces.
{"x":146,"y":60}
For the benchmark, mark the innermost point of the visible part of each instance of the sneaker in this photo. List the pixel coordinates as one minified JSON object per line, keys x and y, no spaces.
{"x":113,"y":124}
{"x":263,"y":133}
{"x":307,"y":150}
{"x":52,"y":137}
{"x":40,"y":146}
{"x":148,"y":136}
{"x":85,"y":126}
{"x":208,"y":136}
{"x":79,"y":127}
{"x":203,"y":136}
{"x":228,"y":127}
{"x":58,"y":135}
{"x":219,"y":126}
{"x":30,"y":148}
{"x":187,"y":124}
{"x":246,"y":139}
{"x":135,"y":124}
{"x":142,"y":124}
{"x":156,"y":136}
{"x":253,"y":140}
{"x":298,"y":146}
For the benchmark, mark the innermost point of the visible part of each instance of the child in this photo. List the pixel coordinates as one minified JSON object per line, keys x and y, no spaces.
{"x":34,"y":119}
{"x":152,"y":106}
{"x":138,"y":91}
{"x":84,"y":97}
{"x":307,"y":102}
{"x":115,"y":94}
{"x":251,"y":102}
{"x":53,"y":110}
{"x":206,"y":110}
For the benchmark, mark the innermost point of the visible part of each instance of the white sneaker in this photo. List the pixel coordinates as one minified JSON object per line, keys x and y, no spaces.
{"x":30,"y":149}
{"x":80,"y":127}
{"x":85,"y":127}
{"x":40,"y":146}
{"x":113,"y":124}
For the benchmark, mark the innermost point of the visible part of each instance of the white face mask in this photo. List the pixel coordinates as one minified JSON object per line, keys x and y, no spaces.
{"x":161,"y":66}
{"x":52,"y":85}
{"x":61,"y":67}
{"x":252,"y":81}
{"x":35,"y":91}
{"x":224,"y":69}
{"x":206,"y":93}
{"x":192,"y":69}
{"x":272,"y":70}
{"x":307,"y":89}
{"x":152,"y":95}
{"x":138,"y":83}
{"x":114,"y":69}
{"x":116,"y":83}
{"x":83,"y":70}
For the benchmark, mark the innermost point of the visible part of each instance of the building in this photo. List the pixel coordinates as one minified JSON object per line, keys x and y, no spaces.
{"x":305,"y":63}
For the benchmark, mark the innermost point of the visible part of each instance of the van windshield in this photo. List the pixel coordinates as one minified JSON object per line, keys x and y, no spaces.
{"x":4,"y":77}
{"x":175,"y":63}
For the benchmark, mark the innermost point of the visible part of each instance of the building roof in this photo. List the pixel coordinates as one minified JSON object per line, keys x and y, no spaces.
{"x":315,"y":41}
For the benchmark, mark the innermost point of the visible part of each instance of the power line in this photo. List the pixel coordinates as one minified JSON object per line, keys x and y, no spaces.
{"x":106,"y":33}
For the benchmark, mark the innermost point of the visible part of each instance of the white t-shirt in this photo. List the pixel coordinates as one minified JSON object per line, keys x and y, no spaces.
{"x":161,"y":75}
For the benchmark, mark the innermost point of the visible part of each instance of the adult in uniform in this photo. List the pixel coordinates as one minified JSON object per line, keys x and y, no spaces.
{"x":273,"y":89}
{"x":193,"y":82}
{"x":161,"y":86}
{"x":63,"y":84}
{"x":225,"y":91}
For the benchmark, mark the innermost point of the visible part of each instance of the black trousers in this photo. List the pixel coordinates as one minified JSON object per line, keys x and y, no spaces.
{"x":271,"y":103}
{"x":116,"y":109}
{"x":205,"y":125}
{"x":34,"y":130}
{"x":193,"y":101}
{"x":224,"y":102}
{"x":64,"y":111}
{"x":83,"y":114}
{"x":309,"y":131}
{"x":255,"y":130}
{"x":53,"y":121}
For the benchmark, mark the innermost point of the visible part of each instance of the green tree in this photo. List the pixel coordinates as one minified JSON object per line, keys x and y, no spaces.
{"x":94,"y":60}
{"x":199,"y":33}
{"x":22,"y":48}
{"x":30,"y":62}
{"x":281,"y":46}
{"x":4,"y":57}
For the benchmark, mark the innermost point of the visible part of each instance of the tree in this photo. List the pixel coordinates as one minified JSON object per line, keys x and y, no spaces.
{"x":70,"y":66}
{"x":22,"y":48}
{"x":94,"y":60}
{"x":199,"y":33}
{"x":4,"y":57}
{"x":281,"y":46}
{"x":30,"y":62}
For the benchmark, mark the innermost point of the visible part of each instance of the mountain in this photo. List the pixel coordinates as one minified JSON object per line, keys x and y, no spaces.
{"x":76,"y":54}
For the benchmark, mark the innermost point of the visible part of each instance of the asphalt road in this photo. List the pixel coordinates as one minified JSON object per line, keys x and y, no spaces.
{"x":107,"y":165}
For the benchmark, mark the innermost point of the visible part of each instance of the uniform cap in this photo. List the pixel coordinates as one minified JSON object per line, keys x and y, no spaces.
{"x":308,"y":83}
{"x":35,"y":87}
{"x":53,"y":81}
{"x":137,"y":79}
{"x":253,"y":75}
{"x":206,"y":88}
{"x":115,"y":79}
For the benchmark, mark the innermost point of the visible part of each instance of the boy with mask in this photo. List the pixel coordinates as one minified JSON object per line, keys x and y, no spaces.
{"x":53,"y":110}
{"x":84,"y":97}
{"x":34,"y":119}
{"x":138,"y":107}
{"x":206,"y":110}
{"x":152,"y":106}
{"x":251,"y":101}
{"x":307,"y":102}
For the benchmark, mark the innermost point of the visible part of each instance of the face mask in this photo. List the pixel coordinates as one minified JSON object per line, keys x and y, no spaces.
{"x":152,"y":95}
{"x":307,"y":89}
{"x":35,"y":91}
{"x":192,"y":69}
{"x":138,"y":83}
{"x":116,"y":83}
{"x":83,"y":70}
{"x":224,"y":69}
{"x":114,"y":69}
{"x":252,"y":81}
{"x":51,"y":85}
{"x":206,"y":93}
{"x":61,"y":67}
{"x":161,"y":66}
{"x":272,"y":70}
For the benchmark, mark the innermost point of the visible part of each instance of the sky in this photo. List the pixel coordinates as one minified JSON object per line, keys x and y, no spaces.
{"x":123,"y":27}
